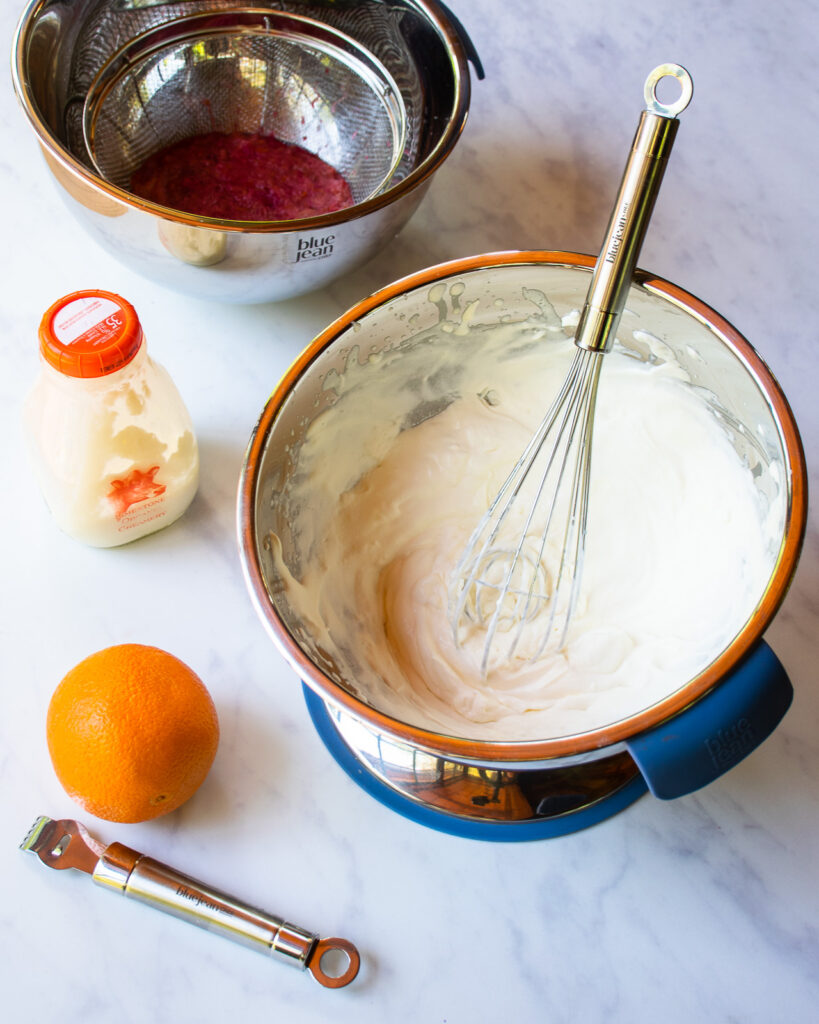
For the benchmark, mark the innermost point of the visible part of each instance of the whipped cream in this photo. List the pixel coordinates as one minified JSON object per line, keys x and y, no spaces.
{"x":393,"y":477}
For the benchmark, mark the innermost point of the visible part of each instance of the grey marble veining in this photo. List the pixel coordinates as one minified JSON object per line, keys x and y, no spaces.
{"x":702,"y":909}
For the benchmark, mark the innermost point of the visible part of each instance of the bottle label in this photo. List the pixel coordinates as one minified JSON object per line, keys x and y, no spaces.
{"x":91,"y":319}
{"x":140,"y":488}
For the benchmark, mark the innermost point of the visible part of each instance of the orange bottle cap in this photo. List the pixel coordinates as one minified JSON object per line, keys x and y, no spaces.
{"x":90,"y":333}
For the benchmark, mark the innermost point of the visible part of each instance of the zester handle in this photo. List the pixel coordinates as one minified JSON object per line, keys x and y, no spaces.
{"x":148,"y":881}
{"x":631,"y":212}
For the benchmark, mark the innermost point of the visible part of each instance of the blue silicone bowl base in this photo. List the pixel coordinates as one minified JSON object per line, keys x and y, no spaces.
{"x":465,"y":828}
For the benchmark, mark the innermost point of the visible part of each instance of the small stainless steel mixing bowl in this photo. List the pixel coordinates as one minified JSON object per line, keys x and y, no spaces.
{"x":678,"y":744}
{"x":62,"y":52}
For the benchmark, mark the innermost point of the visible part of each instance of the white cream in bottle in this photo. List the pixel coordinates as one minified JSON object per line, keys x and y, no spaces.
{"x":112,"y":443}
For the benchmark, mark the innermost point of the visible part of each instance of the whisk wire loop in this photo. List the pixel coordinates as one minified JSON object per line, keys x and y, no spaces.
{"x":505,"y":586}
{"x":572,"y":409}
{"x":573,"y":549}
{"x":474,"y":555}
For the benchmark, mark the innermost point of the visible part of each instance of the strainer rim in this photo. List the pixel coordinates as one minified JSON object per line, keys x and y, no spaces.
{"x":150,"y":45}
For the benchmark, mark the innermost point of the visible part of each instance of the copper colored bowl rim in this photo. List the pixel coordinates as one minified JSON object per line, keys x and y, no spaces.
{"x":490,"y":751}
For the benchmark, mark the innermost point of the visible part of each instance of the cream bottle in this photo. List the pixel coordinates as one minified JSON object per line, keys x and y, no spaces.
{"x":112,"y":443}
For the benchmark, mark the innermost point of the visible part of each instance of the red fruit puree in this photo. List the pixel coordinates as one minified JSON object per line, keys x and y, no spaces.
{"x":239,"y":176}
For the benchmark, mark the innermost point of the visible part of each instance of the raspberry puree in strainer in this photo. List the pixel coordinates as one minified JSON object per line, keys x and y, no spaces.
{"x":240,"y":176}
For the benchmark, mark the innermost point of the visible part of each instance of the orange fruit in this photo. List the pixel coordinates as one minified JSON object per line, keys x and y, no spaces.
{"x":132,"y":733}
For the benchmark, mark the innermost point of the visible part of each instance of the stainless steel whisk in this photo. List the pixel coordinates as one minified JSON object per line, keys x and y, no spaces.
{"x":502,"y":583}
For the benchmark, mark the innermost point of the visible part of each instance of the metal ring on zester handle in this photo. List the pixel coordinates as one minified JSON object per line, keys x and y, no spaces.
{"x":682,"y":101}
{"x":324,"y":946}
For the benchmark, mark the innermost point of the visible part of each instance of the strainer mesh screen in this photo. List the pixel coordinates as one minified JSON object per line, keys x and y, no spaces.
{"x":383,"y":29}
{"x":303,"y":91}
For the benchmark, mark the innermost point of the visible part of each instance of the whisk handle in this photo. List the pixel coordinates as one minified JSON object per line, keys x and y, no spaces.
{"x":631,"y":213}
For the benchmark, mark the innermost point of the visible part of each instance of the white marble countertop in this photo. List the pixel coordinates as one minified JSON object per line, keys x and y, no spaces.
{"x":701,"y":909}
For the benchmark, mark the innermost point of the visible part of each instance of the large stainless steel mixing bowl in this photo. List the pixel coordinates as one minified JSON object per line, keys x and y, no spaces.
{"x":60,"y":48}
{"x":678,"y":744}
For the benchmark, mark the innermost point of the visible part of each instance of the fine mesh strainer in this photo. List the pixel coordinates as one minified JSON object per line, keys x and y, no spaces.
{"x":254,"y":71}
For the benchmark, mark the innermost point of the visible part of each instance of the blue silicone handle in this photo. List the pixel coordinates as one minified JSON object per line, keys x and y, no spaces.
{"x":705,"y":740}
